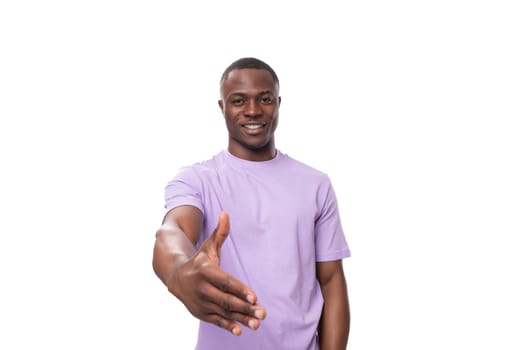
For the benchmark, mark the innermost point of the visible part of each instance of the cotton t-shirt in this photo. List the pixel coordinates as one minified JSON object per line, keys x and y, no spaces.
{"x":283,"y":219}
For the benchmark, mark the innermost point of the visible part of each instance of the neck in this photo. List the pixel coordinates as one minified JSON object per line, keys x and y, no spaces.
{"x":255,"y":155}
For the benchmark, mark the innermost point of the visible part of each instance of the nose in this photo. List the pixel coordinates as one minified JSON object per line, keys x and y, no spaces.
{"x":252,"y":109}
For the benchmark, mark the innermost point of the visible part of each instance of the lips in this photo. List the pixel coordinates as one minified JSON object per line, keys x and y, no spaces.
{"x":253,"y":128}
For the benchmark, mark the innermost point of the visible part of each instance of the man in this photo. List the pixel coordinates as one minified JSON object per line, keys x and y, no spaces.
{"x":252,"y":238}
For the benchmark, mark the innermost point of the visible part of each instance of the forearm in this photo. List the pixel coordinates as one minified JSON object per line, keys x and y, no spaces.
{"x":334,"y":325}
{"x":172,"y":249}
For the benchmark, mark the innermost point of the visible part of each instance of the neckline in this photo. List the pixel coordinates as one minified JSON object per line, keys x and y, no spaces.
{"x":236,"y":161}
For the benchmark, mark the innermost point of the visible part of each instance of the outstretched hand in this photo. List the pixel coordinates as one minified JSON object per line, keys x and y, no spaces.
{"x":211,"y":294}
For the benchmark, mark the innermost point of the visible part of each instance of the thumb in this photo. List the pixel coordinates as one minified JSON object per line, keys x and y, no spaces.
{"x":221,"y":231}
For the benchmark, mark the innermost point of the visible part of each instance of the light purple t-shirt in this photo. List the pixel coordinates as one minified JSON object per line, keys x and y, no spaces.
{"x":283,"y":219}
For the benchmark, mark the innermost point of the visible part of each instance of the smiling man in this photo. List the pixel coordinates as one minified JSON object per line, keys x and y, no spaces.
{"x":250,"y":105}
{"x":251,"y":237}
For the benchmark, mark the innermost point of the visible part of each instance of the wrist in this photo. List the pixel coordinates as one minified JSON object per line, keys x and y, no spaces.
{"x":173,"y":278}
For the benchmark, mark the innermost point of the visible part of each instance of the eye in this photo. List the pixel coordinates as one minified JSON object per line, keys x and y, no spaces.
{"x":267,"y":100}
{"x":237,"y":102}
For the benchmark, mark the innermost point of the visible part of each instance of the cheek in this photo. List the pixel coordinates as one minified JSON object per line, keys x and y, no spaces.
{"x":230,"y":124}
{"x":275,"y":122}
{"x":275,"y":117}
{"x":231,"y":114}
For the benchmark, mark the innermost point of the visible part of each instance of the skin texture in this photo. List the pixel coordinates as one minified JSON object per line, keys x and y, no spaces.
{"x":334,"y":325}
{"x":249,"y":97}
{"x":194,"y":276}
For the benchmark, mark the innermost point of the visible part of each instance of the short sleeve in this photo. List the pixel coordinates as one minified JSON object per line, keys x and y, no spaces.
{"x":183,"y":189}
{"x":330,"y":241}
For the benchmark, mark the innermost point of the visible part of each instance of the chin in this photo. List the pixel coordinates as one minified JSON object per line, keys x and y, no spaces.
{"x":257,"y":147}
{"x":253,"y":148}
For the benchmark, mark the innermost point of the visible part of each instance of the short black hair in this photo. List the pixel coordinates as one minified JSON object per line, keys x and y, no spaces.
{"x":249,"y":62}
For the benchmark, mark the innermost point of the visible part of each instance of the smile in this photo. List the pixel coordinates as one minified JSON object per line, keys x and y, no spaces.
{"x":253,"y":126}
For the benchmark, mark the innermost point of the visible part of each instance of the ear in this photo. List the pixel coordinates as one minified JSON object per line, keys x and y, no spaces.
{"x":279,"y":101}
{"x":221,"y":106}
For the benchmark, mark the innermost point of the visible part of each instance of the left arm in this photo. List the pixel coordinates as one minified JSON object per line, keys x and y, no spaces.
{"x":334,"y":325}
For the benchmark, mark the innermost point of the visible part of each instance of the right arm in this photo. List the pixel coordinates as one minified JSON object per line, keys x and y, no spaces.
{"x":195,"y":277}
{"x":175,"y":240}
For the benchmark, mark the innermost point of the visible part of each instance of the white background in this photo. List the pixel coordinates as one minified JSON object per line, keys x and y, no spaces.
{"x":414,"y":108}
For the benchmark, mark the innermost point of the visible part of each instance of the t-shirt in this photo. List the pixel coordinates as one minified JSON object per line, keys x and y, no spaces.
{"x":283,"y":219}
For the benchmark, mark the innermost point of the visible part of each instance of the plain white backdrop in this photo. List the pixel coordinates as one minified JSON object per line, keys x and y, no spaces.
{"x":414,"y":108}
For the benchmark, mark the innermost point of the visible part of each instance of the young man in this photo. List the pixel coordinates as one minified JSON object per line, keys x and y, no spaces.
{"x":253,"y":238}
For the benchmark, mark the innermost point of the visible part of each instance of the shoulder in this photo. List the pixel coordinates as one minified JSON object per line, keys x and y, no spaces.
{"x":305,"y":170}
{"x":202,"y":167}
{"x":200,"y":170}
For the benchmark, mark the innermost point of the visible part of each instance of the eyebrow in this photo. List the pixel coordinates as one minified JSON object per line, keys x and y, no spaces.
{"x":259,"y":94}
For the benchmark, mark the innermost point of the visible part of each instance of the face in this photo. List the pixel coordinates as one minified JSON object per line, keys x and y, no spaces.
{"x":250,"y":104}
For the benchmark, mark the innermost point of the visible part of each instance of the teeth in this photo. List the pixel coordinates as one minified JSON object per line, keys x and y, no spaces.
{"x":252,"y":126}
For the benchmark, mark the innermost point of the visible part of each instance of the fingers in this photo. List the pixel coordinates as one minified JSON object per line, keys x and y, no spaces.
{"x":221,"y":231}
{"x":230,"y":320}
{"x":231,"y":307}
{"x":218,"y":299}
{"x":216,"y":296}
{"x":212,"y":245}
{"x":230,"y":285}
{"x":225,"y":290}
{"x":221,"y":322}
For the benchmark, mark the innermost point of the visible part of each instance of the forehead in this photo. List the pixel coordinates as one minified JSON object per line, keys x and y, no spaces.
{"x":248,"y":80}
